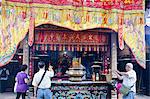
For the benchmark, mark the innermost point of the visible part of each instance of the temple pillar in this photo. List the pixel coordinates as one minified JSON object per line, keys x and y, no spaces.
{"x":26,"y":52}
{"x":113,"y":53}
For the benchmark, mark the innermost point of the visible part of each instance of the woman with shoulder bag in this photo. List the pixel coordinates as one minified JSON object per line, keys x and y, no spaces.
{"x":22,"y":80}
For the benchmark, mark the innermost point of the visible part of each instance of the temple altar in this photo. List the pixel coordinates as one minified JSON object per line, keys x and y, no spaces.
{"x":81,"y":90}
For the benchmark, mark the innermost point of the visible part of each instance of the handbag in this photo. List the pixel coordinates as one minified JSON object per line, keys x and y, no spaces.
{"x":124,"y":89}
{"x":15,"y":87}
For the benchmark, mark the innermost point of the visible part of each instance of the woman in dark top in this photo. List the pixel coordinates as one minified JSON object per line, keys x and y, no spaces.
{"x":22,"y":80}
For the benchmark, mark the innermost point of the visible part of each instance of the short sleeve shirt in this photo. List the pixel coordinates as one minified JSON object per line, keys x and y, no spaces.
{"x":46,"y":82}
{"x":21,"y":85}
{"x":130,"y":80}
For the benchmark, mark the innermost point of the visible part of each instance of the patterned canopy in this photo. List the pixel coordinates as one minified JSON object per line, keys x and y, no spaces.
{"x":126,"y":17}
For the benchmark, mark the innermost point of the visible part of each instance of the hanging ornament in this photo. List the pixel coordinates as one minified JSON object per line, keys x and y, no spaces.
{"x":31,"y":29}
{"x":23,"y":14}
{"x":45,"y":14}
{"x":120,"y":31}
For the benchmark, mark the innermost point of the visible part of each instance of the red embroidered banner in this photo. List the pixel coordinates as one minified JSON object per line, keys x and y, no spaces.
{"x":120,"y":31}
{"x":71,"y":38}
{"x":31,"y":31}
{"x":105,"y":4}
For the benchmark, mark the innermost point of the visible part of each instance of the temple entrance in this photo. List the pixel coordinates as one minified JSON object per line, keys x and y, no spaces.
{"x":60,"y":47}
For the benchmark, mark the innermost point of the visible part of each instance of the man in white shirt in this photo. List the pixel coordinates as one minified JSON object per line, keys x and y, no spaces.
{"x":129,"y":80}
{"x":43,"y":91}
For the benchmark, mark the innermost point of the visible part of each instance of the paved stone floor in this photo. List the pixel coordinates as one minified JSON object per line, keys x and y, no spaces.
{"x":142,"y":97}
{"x":10,"y":95}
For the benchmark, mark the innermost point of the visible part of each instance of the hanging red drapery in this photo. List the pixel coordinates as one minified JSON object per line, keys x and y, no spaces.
{"x":31,"y":28}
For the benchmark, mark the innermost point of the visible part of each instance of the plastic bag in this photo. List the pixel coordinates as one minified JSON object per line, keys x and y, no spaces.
{"x":124,"y":89}
{"x":15,"y":87}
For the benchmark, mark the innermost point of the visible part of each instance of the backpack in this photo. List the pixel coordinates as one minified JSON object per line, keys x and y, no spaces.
{"x":3,"y":74}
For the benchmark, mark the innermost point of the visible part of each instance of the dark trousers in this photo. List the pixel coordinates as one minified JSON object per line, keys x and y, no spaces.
{"x":19,"y":94}
{"x":3,"y":85}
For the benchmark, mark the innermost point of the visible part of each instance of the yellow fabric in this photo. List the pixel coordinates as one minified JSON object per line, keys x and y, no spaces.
{"x":15,"y":27}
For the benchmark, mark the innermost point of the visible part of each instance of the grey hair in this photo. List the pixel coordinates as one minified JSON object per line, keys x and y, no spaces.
{"x":130,"y":65}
